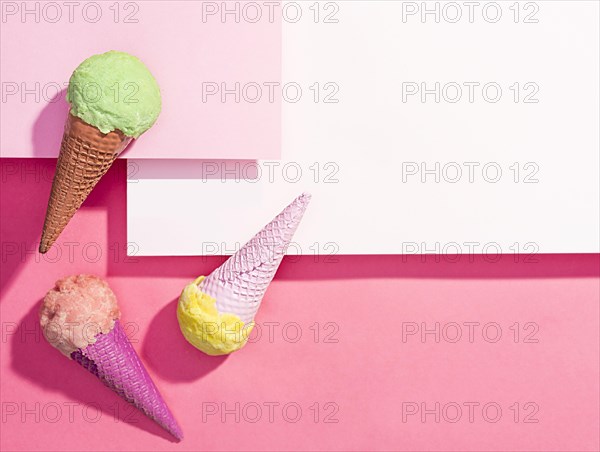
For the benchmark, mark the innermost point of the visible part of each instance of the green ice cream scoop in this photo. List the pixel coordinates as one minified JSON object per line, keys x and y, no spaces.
{"x":115,"y":90}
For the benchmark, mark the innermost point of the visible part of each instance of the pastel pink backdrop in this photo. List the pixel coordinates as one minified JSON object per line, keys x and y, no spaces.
{"x":183,"y":44}
{"x":367,"y":374}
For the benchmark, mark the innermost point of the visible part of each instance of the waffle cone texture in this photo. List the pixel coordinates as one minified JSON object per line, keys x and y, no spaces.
{"x":115,"y":362}
{"x":86,"y":154}
{"x":239,"y":285}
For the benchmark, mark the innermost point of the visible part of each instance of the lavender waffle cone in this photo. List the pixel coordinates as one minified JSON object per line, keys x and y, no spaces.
{"x":241,"y":282}
{"x":114,"y":361}
{"x":86,"y":154}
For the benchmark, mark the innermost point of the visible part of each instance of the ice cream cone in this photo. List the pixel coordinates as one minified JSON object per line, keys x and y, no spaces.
{"x":123,"y":103}
{"x":85,"y":156}
{"x":80,"y":318}
{"x":114,"y":361}
{"x":240,"y":283}
{"x":216,"y":313}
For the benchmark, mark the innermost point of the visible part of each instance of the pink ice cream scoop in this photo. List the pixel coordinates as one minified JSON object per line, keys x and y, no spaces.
{"x":80,"y":318}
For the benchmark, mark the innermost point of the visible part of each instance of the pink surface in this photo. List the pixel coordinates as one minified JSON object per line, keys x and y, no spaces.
{"x":359,"y":376}
{"x":184,"y":46}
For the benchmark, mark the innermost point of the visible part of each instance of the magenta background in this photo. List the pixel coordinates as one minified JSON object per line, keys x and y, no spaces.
{"x":180,"y":50}
{"x":368,"y":373}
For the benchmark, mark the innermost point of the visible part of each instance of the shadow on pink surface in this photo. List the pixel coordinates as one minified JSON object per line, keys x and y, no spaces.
{"x":23,"y":199}
{"x":383,"y":266}
{"x":163,"y":338}
{"x":24,"y":196}
{"x":34,"y":359}
{"x":49,"y":126}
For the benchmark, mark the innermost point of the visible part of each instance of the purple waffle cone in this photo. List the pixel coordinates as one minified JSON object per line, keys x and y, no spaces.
{"x":114,"y":361}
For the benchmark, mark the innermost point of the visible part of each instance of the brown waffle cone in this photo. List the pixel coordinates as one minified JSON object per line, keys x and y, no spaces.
{"x":85,"y":156}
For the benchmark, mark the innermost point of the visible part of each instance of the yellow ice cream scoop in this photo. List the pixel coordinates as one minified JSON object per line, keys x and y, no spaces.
{"x":205,"y":327}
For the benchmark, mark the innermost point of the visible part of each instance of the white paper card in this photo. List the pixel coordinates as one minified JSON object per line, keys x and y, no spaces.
{"x":436,"y":127}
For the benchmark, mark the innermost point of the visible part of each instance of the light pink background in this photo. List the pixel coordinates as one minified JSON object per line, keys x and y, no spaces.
{"x":368,"y":373}
{"x":181,"y":50}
